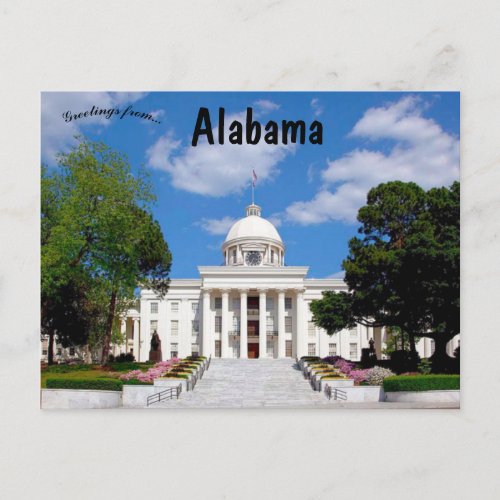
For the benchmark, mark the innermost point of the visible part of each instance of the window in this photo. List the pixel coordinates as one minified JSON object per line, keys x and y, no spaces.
{"x":218,"y":324}
{"x":288,"y":303}
{"x":194,"y":307}
{"x":288,"y":324}
{"x":195,"y":349}
{"x":269,"y":304}
{"x":234,"y":256}
{"x":236,"y":304}
{"x":332,"y":349}
{"x":217,"y":348}
{"x":311,"y":329}
{"x":272,"y":256}
{"x":218,"y":302}
{"x":288,"y":348}
{"x":44,"y":352}
{"x":270,"y":324}
{"x":353,"y":351}
{"x":174,"y":327}
{"x":71,"y":351}
{"x":195,"y":327}
{"x":236,"y":323}
{"x":154,"y":307}
{"x":174,"y":306}
{"x":311,"y":349}
{"x":174,"y":350}
{"x":433,"y":346}
{"x":153,"y":327}
{"x":59,"y":351}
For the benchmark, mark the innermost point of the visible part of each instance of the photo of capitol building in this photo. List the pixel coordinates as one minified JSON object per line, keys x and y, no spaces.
{"x":252,"y":306}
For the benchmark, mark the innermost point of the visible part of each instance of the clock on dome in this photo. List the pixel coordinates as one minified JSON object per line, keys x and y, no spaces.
{"x":253,"y":258}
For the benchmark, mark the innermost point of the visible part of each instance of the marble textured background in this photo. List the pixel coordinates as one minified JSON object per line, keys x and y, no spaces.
{"x":259,"y":45}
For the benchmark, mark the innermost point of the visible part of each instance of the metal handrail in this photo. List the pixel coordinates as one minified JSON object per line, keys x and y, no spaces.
{"x":168,"y":393}
{"x":209,"y":359}
{"x":336,"y":393}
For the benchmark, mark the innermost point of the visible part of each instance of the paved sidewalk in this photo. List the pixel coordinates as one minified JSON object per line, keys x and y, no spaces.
{"x":265,"y":383}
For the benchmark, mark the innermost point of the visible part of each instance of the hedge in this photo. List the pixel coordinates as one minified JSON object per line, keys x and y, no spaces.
{"x":134,"y":381}
{"x":422,"y":383}
{"x":99,"y":384}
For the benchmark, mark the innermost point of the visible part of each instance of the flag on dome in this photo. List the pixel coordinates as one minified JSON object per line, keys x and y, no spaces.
{"x":254,"y":178}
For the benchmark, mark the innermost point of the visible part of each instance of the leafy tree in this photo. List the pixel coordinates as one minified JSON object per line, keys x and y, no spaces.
{"x":403,"y":271}
{"x":333,"y":312}
{"x":96,"y":223}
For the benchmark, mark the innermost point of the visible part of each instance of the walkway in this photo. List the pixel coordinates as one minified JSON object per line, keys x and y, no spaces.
{"x":250,"y":383}
{"x":266,"y":383}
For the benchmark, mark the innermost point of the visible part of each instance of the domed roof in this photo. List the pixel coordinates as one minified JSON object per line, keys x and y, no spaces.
{"x":253,"y":226}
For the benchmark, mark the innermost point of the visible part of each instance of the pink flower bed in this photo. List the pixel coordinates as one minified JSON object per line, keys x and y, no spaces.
{"x":158,"y":370}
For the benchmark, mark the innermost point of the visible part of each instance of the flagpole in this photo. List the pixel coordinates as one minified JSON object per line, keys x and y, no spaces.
{"x":253,"y":192}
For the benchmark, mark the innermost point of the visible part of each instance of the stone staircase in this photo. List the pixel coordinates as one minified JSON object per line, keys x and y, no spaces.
{"x":250,"y":383}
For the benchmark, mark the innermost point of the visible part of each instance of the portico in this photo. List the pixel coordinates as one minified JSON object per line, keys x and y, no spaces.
{"x":257,"y":316}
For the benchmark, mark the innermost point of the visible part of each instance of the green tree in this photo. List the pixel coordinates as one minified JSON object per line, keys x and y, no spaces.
{"x":403,"y":271}
{"x":96,"y":222}
{"x":333,"y":312}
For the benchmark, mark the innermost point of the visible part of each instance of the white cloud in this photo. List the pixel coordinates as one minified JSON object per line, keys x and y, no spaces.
{"x":422,"y":152}
{"x":217,"y":226}
{"x":316,"y":106}
{"x":266,"y":106}
{"x":58,"y":135}
{"x":216,"y":170}
{"x":275,"y":219}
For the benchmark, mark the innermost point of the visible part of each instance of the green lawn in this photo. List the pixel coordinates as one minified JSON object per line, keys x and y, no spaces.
{"x":94,"y":373}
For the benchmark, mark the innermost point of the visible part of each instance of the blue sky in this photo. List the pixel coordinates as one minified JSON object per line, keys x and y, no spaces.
{"x":311,"y":192}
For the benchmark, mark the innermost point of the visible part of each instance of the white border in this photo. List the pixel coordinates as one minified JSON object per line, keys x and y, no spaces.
{"x":240,"y":45}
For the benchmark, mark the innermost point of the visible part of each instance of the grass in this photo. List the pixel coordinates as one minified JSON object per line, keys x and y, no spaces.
{"x":89,"y":373}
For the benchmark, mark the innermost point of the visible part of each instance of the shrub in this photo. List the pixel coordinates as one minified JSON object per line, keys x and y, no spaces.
{"x":425,"y":367}
{"x":368,"y":357}
{"x":124,"y":358}
{"x":359,"y":376}
{"x":176,"y":375}
{"x":125,"y":366}
{"x":310,"y":358}
{"x":66,"y":368}
{"x":377,"y":375}
{"x":422,"y":383}
{"x":404,"y":361}
{"x":98,"y":384}
{"x":331,"y":360}
{"x":134,"y":381}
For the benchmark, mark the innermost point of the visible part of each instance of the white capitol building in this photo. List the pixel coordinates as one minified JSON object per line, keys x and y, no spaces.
{"x":252,"y":306}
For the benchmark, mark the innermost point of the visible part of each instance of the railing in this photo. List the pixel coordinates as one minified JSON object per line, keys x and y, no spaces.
{"x":208,"y":364}
{"x":165,"y":394}
{"x":336,"y":393}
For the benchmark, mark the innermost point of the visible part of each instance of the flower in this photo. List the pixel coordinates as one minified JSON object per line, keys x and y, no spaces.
{"x":157,"y":371}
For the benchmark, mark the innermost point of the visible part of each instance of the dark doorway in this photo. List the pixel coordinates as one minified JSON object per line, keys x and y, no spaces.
{"x":253,"y":350}
{"x":253,"y":328}
{"x":253,"y":303}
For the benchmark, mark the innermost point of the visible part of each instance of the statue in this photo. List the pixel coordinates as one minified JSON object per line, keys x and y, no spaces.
{"x":155,"y":351}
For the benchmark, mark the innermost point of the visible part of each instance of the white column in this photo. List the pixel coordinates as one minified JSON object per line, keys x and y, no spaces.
{"x":243,"y":323}
{"x":143,"y":331}
{"x":163,"y":330}
{"x":224,"y":341}
{"x":136,"y":335}
{"x":262,"y":324}
{"x":207,"y":342}
{"x":281,"y":324}
{"x":185,"y":332}
{"x":300,"y":327}
{"x":427,"y":347}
